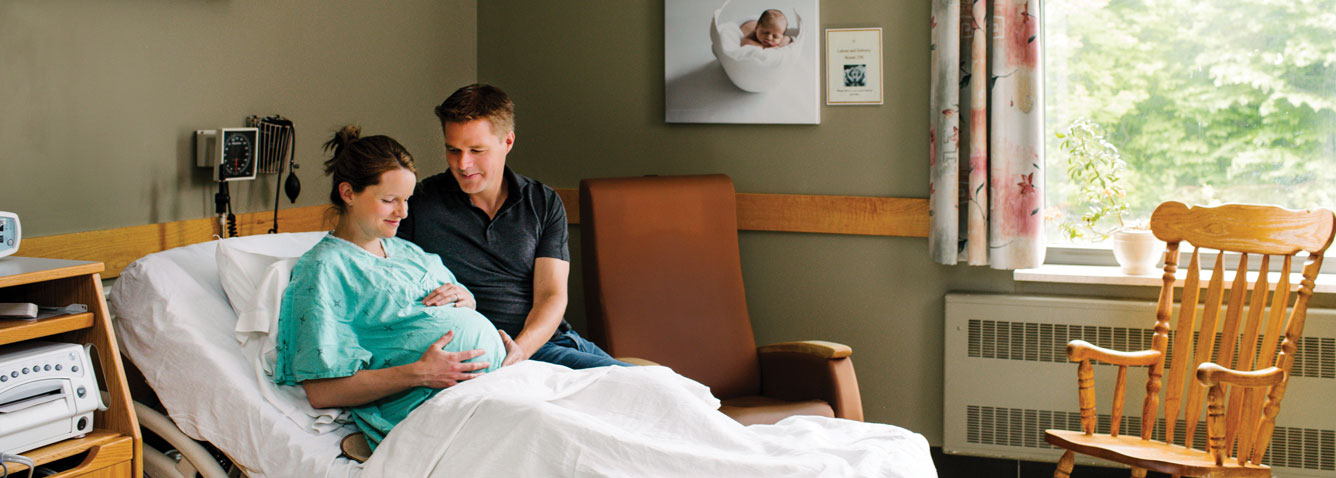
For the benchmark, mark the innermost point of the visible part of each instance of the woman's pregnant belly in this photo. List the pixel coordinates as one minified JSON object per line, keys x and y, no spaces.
{"x":472,"y":331}
{"x":401,"y":338}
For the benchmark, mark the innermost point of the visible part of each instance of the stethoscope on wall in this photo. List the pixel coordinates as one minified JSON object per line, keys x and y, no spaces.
{"x":240,"y":154}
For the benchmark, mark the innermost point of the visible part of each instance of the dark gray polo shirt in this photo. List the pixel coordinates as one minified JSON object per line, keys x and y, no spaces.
{"x":492,"y":257}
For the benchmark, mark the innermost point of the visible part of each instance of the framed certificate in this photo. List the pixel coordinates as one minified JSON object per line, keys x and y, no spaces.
{"x":853,"y":66}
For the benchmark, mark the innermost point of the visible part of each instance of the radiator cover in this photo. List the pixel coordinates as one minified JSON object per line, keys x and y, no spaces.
{"x":1008,"y":379}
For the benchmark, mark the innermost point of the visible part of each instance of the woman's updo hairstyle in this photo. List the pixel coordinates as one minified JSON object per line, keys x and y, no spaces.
{"x":360,"y":161}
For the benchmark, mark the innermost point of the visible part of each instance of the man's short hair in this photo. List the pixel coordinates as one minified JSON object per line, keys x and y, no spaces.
{"x":478,"y":101}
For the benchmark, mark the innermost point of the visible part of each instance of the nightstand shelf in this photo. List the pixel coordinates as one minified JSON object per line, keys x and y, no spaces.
{"x":12,"y":331}
{"x":109,"y":454}
{"x":114,"y":447}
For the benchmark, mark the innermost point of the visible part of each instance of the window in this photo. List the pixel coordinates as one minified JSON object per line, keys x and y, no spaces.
{"x":1207,"y":101}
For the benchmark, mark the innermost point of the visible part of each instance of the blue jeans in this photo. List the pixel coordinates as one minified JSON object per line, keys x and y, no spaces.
{"x":572,"y":350}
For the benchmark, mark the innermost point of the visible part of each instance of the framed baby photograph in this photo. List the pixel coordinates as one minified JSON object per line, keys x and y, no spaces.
{"x":742,"y":61}
{"x":853,"y":66}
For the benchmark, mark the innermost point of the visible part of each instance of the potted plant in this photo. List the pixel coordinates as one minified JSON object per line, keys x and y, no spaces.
{"x":1096,"y":170}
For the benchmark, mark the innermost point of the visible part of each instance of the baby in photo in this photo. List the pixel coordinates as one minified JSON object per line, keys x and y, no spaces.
{"x":767,"y":31}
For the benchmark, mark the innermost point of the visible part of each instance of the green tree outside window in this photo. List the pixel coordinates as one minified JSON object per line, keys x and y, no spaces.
{"x":1208,"y":102}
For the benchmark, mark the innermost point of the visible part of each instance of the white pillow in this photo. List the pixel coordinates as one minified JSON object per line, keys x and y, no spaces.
{"x":261,"y":316}
{"x":242,"y":262}
{"x":259,"y":348}
{"x":255,"y":271}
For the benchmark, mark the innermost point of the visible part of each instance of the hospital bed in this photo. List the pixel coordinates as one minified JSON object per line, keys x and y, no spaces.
{"x":217,"y":416}
{"x":175,"y":324}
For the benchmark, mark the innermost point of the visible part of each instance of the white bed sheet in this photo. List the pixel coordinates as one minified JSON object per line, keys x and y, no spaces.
{"x":540,"y":419}
{"x":173,"y":321}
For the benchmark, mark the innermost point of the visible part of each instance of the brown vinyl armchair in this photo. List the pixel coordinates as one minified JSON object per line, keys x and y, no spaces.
{"x":663,"y":282}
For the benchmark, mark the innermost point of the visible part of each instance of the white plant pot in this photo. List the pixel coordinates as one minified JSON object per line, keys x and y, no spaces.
{"x":1138,"y":251}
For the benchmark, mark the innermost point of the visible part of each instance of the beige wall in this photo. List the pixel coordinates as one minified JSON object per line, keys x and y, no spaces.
{"x":98,"y":99}
{"x":588,"y":81}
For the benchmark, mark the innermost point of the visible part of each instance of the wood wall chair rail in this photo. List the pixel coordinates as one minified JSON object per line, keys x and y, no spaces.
{"x":118,"y":247}
{"x":1242,"y":382}
{"x":856,"y":215}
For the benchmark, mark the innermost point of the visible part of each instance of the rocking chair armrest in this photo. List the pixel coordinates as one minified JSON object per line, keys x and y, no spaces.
{"x":1219,"y":437}
{"x":1078,"y":350}
{"x":1210,"y":374}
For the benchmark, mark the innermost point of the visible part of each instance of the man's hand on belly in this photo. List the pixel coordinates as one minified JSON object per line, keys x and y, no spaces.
{"x":514,"y":353}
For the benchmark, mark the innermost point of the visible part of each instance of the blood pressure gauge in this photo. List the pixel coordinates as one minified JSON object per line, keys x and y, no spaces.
{"x":9,"y":233}
{"x":230,"y":152}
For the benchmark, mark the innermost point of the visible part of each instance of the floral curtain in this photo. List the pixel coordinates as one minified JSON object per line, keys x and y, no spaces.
{"x":996,"y":197}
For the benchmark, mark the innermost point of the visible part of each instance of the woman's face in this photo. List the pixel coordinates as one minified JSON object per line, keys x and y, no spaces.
{"x":771,"y":33}
{"x":377,"y":210}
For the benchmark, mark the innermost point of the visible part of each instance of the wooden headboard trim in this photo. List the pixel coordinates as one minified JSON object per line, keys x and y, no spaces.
{"x":858,"y":215}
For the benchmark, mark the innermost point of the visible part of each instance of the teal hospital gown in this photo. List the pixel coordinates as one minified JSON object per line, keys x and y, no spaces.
{"x":346,"y":310}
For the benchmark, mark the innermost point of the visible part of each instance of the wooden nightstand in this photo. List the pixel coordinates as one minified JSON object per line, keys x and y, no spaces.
{"x":113,"y":448}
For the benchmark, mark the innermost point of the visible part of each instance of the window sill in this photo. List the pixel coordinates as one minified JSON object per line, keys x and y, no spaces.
{"x":1112,"y":275}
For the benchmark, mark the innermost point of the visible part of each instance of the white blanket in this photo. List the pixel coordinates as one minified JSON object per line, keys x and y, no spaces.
{"x":537,"y":419}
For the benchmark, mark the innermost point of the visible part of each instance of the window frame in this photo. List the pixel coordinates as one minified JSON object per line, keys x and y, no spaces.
{"x":1101,"y":254}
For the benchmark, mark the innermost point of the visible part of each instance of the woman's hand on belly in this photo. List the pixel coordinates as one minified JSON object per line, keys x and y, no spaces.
{"x":438,"y":368}
{"x":448,"y":294}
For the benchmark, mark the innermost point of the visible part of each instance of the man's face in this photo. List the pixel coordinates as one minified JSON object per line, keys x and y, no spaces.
{"x":477,"y":155}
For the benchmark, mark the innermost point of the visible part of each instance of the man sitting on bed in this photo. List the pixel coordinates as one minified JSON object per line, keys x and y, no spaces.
{"x":503,"y":234}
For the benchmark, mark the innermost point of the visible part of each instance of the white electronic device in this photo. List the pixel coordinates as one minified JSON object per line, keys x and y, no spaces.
{"x":48,"y":392}
{"x":230,"y":152}
{"x":10,"y":233}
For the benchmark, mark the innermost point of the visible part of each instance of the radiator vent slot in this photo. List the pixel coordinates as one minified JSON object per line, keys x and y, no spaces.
{"x":1305,"y":448}
{"x":1315,"y":357}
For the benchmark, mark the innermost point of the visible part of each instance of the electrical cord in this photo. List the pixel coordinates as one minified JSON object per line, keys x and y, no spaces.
{"x":231,"y":222}
{"x":291,"y":141}
{"x":20,"y":459}
{"x":222,"y":205}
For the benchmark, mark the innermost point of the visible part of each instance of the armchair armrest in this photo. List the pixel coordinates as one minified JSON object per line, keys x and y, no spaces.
{"x":1078,"y":350}
{"x":638,"y":361}
{"x":816,"y":348}
{"x":812,"y":369}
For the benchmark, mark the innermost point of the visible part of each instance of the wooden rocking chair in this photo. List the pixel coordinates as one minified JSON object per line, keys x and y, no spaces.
{"x":1247,"y":378}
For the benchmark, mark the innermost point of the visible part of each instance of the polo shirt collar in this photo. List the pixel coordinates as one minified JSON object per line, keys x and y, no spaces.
{"x":515,"y":186}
